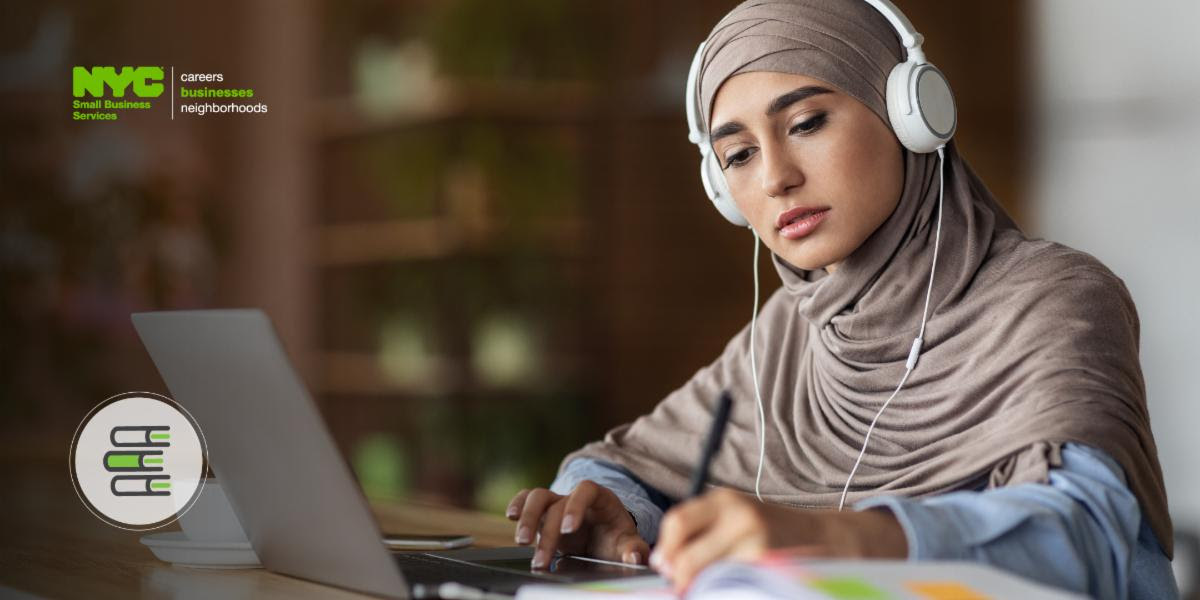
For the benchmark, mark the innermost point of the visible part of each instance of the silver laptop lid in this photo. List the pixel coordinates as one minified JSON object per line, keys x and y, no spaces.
{"x":292,"y":492}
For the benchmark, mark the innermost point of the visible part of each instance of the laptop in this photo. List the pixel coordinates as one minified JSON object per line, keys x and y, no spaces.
{"x":295,"y":496}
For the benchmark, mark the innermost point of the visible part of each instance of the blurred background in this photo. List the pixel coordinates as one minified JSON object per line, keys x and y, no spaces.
{"x":478,"y":225}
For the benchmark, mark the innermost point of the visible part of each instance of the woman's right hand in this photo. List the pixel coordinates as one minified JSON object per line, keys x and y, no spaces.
{"x":590,"y":521}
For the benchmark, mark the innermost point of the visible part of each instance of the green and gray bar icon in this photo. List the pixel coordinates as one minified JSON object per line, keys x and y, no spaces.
{"x":155,"y":436}
{"x":138,"y":454}
{"x":133,"y":460}
{"x":141,"y":485}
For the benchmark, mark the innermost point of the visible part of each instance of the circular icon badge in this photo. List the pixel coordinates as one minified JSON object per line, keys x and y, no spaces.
{"x":137,"y":461}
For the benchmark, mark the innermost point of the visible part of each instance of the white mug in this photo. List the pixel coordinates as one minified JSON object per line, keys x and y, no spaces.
{"x":211,"y":518}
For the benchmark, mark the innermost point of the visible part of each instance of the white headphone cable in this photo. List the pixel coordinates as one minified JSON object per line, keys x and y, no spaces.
{"x":762,"y":419}
{"x":916,"y":346}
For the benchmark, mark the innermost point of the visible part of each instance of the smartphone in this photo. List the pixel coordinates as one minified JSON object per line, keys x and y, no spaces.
{"x":414,"y":541}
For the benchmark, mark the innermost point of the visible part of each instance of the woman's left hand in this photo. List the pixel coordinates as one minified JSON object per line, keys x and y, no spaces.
{"x":726,"y":524}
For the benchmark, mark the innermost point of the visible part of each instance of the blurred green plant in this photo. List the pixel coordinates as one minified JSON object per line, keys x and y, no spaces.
{"x":405,"y":351}
{"x":382,"y":466}
{"x":504,"y":350}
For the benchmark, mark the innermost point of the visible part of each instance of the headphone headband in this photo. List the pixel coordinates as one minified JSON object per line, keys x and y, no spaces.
{"x":908,"y":35}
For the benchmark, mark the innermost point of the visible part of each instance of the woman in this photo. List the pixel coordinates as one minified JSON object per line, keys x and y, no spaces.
{"x":1021,"y":440}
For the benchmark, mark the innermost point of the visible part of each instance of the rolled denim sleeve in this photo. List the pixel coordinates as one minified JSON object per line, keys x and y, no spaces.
{"x":645,"y":503}
{"x":1082,"y":531}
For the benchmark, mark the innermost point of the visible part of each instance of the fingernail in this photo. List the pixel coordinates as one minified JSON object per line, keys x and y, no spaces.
{"x":660,"y":565}
{"x":634,"y":558}
{"x":523,"y":535}
{"x":539,"y":559}
{"x":512,"y":512}
{"x":568,"y":524}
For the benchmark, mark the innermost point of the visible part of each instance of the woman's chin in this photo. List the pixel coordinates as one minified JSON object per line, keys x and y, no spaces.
{"x":806,"y":261}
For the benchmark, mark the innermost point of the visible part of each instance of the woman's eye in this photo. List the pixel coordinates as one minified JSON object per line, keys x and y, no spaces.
{"x":739,"y":158}
{"x":808,"y":126}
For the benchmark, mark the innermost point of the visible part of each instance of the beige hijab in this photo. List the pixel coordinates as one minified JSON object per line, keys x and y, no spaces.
{"x":1029,"y":344}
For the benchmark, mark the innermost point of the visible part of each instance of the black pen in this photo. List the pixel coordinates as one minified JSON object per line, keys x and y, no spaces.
{"x":712,"y":444}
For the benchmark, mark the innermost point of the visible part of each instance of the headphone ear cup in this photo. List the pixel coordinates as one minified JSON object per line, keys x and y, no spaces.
{"x":921,"y":106}
{"x":718,"y":190}
{"x":710,"y":170}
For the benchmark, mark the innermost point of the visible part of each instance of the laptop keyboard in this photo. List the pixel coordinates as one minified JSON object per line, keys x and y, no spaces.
{"x":424,"y":573}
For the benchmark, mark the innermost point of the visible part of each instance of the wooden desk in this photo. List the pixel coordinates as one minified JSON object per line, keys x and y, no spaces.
{"x":51,"y":546}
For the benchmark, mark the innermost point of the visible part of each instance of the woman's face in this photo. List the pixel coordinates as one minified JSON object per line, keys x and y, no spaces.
{"x":788,"y":143}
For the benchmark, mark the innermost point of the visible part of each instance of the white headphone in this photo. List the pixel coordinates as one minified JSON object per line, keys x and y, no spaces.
{"x":922,"y":113}
{"x":919,"y":102}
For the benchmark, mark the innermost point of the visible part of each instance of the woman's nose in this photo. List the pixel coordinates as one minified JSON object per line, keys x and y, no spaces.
{"x":780,"y":172}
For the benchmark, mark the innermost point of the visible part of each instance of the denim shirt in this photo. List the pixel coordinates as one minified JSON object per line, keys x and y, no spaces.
{"x":1082,"y":531}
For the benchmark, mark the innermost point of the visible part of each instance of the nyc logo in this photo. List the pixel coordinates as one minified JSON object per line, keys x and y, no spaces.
{"x":146,"y":81}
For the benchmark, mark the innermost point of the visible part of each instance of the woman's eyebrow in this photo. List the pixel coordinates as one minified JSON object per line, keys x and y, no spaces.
{"x":725,"y":130}
{"x":776,"y":105}
{"x":794,"y":96}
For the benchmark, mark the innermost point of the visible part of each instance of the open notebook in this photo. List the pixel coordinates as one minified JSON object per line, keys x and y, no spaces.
{"x":819,"y":580}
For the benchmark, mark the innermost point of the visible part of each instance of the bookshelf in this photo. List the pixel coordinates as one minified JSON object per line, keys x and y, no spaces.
{"x":454,"y":230}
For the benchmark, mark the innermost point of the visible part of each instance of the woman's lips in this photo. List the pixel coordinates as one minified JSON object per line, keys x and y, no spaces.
{"x":796,"y":227}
